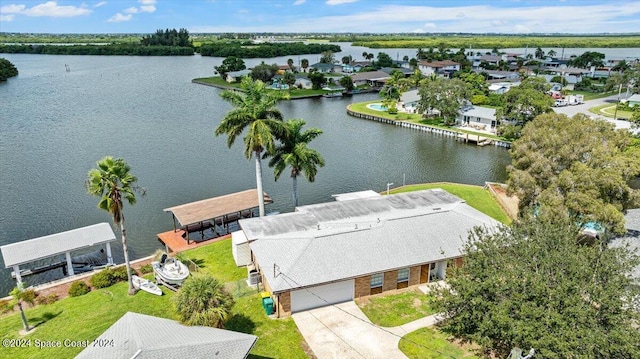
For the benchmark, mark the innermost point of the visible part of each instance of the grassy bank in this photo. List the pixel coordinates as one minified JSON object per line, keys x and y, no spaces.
{"x":430,"y":343}
{"x":218,"y":82}
{"x":592,"y":95}
{"x":476,"y":196}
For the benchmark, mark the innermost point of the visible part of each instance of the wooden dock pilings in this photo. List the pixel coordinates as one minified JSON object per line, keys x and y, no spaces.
{"x":458,"y":136}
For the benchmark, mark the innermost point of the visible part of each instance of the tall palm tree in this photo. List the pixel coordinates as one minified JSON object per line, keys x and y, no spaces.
{"x":304,"y":64}
{"x":113,"y":183}
{"x":293,"y":152}
{"x":255,"y":109}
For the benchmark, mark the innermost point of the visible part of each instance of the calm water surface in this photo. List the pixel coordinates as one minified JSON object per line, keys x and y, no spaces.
{"x":55,"y":125}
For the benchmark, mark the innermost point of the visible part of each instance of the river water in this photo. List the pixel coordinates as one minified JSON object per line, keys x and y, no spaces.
{"x":56,"y":124}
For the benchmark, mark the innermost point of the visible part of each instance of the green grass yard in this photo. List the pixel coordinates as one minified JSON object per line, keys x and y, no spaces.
{"x":396,"y":309}
{"x":428,"y":343}
{"x":609,"y":110}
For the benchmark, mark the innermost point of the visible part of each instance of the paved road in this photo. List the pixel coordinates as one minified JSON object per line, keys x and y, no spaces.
{"x":584,"y":108}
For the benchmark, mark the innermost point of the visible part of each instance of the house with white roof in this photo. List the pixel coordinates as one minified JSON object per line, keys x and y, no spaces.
{"x":477,"y":116}
{"x":358,"y":246}
{"x":143,"y":336}
{"x":440,"y":68}
{"x":236,"y":76}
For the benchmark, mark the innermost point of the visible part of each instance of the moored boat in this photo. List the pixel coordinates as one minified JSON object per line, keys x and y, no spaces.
{"x":170,"y":271}
{"x":145,"y":285}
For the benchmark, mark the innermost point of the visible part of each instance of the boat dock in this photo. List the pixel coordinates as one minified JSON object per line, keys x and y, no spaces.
{"x":175,"y":242}
{"x":479,"y":140}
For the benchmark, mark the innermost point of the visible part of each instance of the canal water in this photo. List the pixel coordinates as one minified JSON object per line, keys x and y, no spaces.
{"x":56,"y":124}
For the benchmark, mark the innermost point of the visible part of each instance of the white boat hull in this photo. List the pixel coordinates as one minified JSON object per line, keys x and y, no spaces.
{"x":171,"y":272}
{"x":145,"y":285}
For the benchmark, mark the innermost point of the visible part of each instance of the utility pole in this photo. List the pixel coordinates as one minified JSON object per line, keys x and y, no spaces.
{"x":615,"y":113}
{"x":389,"y":185}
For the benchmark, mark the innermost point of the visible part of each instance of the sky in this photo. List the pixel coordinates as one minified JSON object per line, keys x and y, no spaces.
{"x":341,"y":16}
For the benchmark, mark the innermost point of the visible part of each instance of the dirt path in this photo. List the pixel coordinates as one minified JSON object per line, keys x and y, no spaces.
{"x":508,"y":203}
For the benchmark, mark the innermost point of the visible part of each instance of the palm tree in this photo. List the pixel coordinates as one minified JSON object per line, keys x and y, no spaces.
{"x":203,"y":300}
{"x":365,"y":55}
{"x":551,"y":53}
{"x":255,"y":109}
{"x":304,"y":64}
{"x":290,"y":63}
{"x":293,"y":152}
{"x":113,"y":183}
{"x":20,"y":295}
{"x":539,"y":53}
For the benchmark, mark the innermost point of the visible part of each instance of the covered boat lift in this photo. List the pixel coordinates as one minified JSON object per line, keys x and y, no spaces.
{"x":207,"y":213}
{"x":16,"y":254}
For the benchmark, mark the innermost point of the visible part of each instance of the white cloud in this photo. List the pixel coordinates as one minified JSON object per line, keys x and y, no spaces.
{"x":430,"y":25}
{"x":339,"y":2}
{"x":12,"y":9}
{"x":299,"y":2}
{"x":521,"y":29}
{"x":120,"y":18}
{"x":101,"y":3}
{"x":50,"y":8}
{"x":7,"y":18}
{"x":417,"y":31}
{"x":131,"y":10}
{"x":147,"y":8}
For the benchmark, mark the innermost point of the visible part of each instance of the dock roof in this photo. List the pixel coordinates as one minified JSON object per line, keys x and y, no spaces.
{"x":55,"y":244}
{"x":206,"y":209}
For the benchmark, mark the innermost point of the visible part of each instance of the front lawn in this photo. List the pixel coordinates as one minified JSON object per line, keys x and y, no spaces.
{"x":475,"y":196}
{"x":609,"y":110}
{"x":80,"y":318}
{"x":429,"y":343}
{"x":592,"y":95}
{"x":216,"y":259}
{"x":396,"y":309}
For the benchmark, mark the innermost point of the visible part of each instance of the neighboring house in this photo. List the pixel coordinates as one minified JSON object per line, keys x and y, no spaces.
{"x":477,"y":116}
{"x":402,"y":64}
{"x":409,"y":101}
{"x":323,"y":67}
{"x":303,"y":82}
{"x":440,"y":68}
{"x":389,"y":70}
{"x":510,"y":76}
{"x":236,"y":76}
{"x":143,"y":336}
{"x":500,"y":87}
{"x":634,"y":100}
{"x":372,"y":78}
{"x":358,"y":246}
{"x":284,"y":68}
{"x":359,"y":65}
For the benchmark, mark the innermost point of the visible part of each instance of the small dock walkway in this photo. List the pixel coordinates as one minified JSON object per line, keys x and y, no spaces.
{"x":175,"y":242}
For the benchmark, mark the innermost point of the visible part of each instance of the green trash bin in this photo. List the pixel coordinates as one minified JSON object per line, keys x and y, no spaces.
{"x":267,"y":303}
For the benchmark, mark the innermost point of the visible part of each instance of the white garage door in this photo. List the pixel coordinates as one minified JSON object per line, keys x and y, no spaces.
{"x":322,"y":295}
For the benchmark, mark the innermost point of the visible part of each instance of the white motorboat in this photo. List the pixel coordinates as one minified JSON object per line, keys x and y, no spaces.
{"x":170,"y":271}
{"x":145,"y":285}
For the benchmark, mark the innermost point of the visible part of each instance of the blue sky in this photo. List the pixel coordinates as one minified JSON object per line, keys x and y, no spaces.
{"x":376,"y":16}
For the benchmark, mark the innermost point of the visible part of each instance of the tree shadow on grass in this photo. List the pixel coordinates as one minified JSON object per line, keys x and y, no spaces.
{"x":45,"y":317}
{"x":253,"y":356}
{"x":240,"y":323}
{"x":199,"y":262}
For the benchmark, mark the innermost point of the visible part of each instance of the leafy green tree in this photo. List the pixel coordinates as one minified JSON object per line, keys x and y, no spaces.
{"x":539,"y":53}
{"x":477,"y":83}
{"x":559,"y":79}
{"x":413,"y":63}
{"x":384,"y":60}
{"x":347,"y":82}
{"x":445,"y":96}
{"x":305,"y":64}
{"x":289,"y":78}
{"x":392,"y":89}
{"x":346,"y":59}
{"x":317,"y":79}
{"x":255,"y":109}
{"x":7,"y":69}
{"x":524,"y":102}
{"x":290,"y":64}
{"x":588,"y":58}
{"x":535,"y":285}
{"x":264,"y":72}
{"x":293,"y":152}
{"x":203,"y":300}
{"x":574,"y":168}
{"x":21,"y":295}
{"x":327,"y":57}
{"x":230,"y":64}
{"x":113,"y":183}
{"x":552,"y":53}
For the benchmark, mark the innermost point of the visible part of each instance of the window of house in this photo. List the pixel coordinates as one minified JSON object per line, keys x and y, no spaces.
{"x":376,"y":280}
{"x":403,"y":278}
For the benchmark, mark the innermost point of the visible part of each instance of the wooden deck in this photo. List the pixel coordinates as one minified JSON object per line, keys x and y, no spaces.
{"x":174,"y":241}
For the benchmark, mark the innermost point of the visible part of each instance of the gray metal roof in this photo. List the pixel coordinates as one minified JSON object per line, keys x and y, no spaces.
{"x":481,"y":112}
{"x":631,"y":238}
{"x":357,"y":237}
{"x":55,"y":244}
{"x":410,"y":97}
{"x":354,"y":195}
{"x":143,"y":336}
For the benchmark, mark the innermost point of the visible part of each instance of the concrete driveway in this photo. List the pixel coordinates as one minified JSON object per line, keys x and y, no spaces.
{"x":343,"y":331}
{"x":570,"y":111}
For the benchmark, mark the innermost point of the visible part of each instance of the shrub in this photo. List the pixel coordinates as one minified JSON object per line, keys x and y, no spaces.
{"x":109,"y":276}
{"x":47,"y":299}
{"x":147,"y":268}
{"x":6,"y":306}
{"x":79,"y":288}
{"x":392,"y":110}
{"x":203,"y":300}
{"x":29,"y":296}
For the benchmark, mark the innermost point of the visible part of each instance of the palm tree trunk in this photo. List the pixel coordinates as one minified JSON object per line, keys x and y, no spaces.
{"x":25,"y":323}
{"x":259,"y":184}
{"x":295,"y":191}
{"x":123,"y":233}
